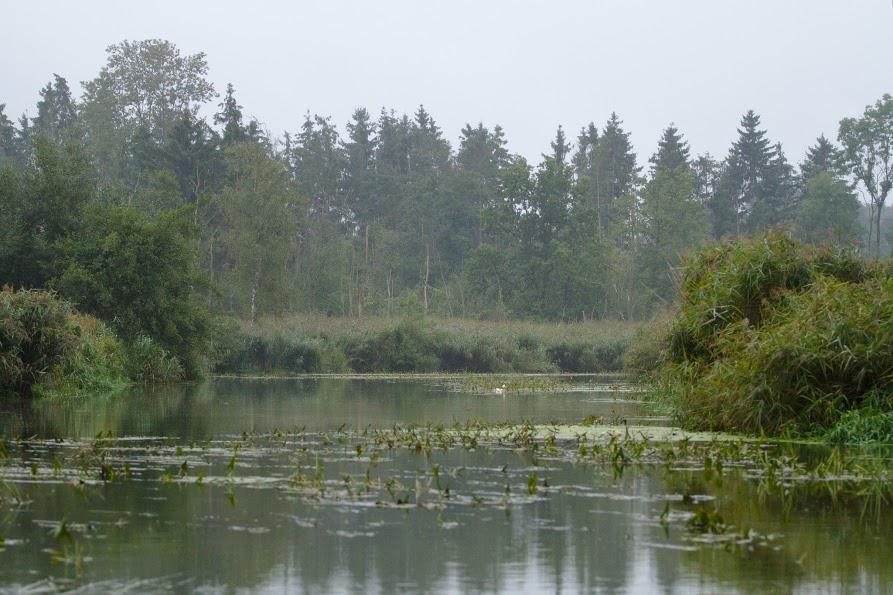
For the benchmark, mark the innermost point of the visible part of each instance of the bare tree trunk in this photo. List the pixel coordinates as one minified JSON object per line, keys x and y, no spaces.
{"x":364,"y":283}
{"x":210,"y":267}
{"x":389,"y":287}
{"x":425,"y":284}
{"x":449,"y":293}
{"x":254,"y":288}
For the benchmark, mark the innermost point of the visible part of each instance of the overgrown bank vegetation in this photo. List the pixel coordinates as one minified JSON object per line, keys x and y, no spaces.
{"x":301,"y":344}
{"x":46,"y":348}
{"x":774,"y":336}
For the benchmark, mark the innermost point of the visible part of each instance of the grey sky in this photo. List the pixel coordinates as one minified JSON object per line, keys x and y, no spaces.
{"x":526,"y":65}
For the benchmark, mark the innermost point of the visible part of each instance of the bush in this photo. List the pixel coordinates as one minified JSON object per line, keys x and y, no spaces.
{"x":36,"y":333}
{"x":147,"y":362}
{"x":245,"y":352}
{"x":140,"y":276}
{"x":409,"y":347}
{"x":746,"y":280}
{"x":95,"y":363}
{"x":588,"y":356}
{"x":48,"y":349}
{"x":774,"y":336}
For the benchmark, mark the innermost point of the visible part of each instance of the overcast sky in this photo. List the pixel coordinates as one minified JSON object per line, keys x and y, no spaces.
{"x":527,"y":65}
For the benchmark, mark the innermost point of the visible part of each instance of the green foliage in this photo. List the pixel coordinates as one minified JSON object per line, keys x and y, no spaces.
{"x":867,"y":424}
{"x":96,"y":363}
{"x":673,"y":222}
{"x":148,"y":362}
{"x":773,"y":336}
{"x":742,"y":281}
{"x":35,"y":335}
{"x":259,"y":234}
{"x":867,"y":143}
{"x":139,"y":275}
{"x":405,"y":348}
{"x":47,"y":349}
{"x":41,"y":206}
{"x":828,"y":211}
{"x":281,"y":354}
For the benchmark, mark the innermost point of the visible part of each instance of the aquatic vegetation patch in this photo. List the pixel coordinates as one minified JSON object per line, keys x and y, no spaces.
{"x":865,"y":425}
{"x":448,"y":476}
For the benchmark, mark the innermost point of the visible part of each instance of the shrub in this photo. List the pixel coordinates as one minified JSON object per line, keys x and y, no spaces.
{"x":580,"y":356}
{"x":745,"y":280}
{"x":147,"y":362}
{"x":36,"y":333}
{"x":48,"y":349}
{"x":408,"y":347}
{"x":95,"y":363}
{"x":140,"y":276}
{"x":775,"y":336}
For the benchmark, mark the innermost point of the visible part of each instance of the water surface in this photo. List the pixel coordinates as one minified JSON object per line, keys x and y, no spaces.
{"x":272,"y":485}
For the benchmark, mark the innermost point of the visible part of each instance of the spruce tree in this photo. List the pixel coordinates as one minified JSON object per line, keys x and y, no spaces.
{"x":614,"y":177}
{"x":482,"y":151}
{"x":746,"y":167}
{"x":318,"y":160}
{"x":822,"y":156}
{"x":428,"y":150}
{"x":615,"y":161}
{"x":560,"y":147}
{"x":191,"y":153}
{"x":709,"y":180}
{"x":8,"y":144}
{"x":56,"y":111}
{"x":673,"y":218}
{"x":584,"y":157}
{"x":672,"y":151}
{"x":359,"y":176}
{"x":230,"y":117}
{"x":776,"y":200}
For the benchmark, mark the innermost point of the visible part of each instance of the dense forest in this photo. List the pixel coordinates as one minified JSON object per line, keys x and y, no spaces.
{"x":139,"y":209}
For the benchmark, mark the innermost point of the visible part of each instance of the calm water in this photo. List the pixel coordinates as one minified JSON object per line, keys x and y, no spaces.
{"x":206,"y":508}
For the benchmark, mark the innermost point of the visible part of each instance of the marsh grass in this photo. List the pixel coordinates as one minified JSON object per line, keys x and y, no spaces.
{"x":775,"y":337}
{"x":319,"y":344}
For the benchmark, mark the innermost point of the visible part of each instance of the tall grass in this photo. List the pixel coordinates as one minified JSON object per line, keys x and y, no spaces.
{"x":313,"y":343}
{"x":36,"y":333}
{"x":773,"y":336}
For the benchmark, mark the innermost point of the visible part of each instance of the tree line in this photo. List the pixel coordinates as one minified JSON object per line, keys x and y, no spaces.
{"x":127,"y":193}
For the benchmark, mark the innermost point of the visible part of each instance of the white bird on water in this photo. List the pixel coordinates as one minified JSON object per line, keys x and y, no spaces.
{"x":500,"y":390}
